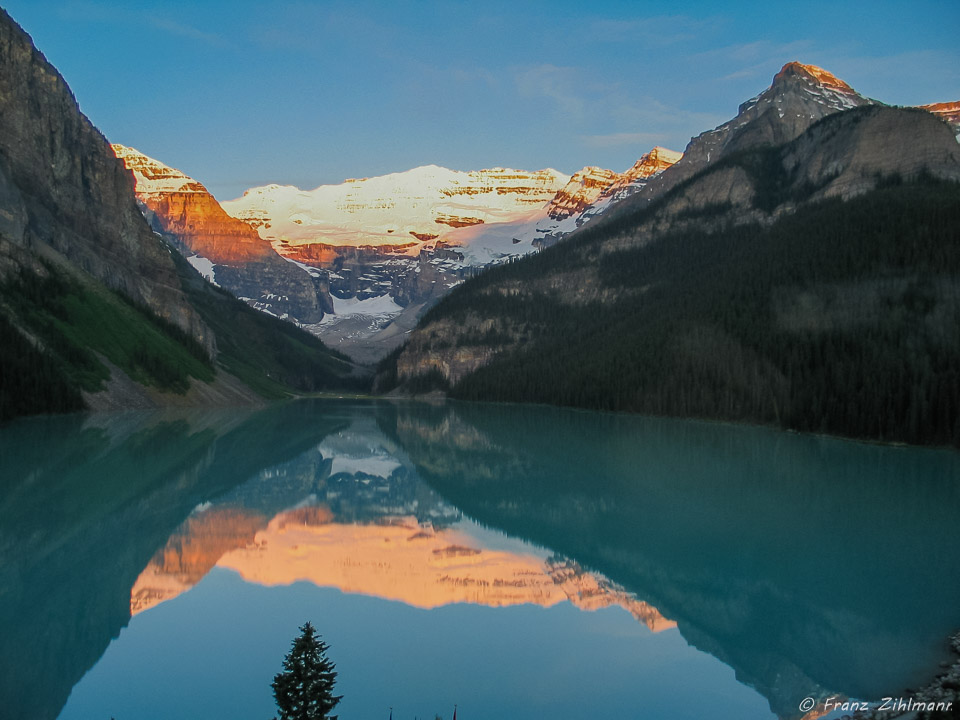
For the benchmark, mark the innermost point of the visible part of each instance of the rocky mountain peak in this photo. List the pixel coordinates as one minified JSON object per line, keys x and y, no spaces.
{"x":947,"y":111}
{"x":64,"y":194}
{"x":153,"y":176}
{"x":657,"y":160}
{"x":797,"y":86}
{"x":798,"y":97}
{"x":225,"y":250}
{"x":796,"y":71}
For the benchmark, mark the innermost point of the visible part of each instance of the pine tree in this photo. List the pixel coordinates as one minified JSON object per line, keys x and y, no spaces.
{"x":304,"y":690}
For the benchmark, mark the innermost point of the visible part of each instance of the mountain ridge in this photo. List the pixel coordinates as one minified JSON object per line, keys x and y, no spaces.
{"x":569,"y":324}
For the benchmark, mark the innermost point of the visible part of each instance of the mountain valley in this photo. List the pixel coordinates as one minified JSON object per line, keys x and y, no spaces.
{"x":727,"y":268}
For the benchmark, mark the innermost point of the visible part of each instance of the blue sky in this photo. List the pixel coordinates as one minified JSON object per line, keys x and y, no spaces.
{"x":238,"y":94}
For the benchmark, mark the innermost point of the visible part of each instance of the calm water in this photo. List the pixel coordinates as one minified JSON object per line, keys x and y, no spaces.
{"x":515,"y":561}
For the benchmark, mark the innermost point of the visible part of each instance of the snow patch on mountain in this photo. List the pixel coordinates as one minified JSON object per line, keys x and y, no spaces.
{"x":379,"y":306}
{"x":949,"y":111}
{"x":152,"y":176}
{"x":203,"y":266}
{"x":400,"y":209}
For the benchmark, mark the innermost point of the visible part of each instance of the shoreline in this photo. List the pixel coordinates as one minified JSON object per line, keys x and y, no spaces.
{"x":942,"y":692}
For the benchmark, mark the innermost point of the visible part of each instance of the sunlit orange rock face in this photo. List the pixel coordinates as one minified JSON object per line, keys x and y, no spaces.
{"x":457,"y":221}
{"x":189,"y":554}
{"x":202,"y":225}
{"x":593,"y":185}
{"x":323,"y":255}
{"x":396,"y":559}
{"x":184,"y":207}
{"x":584,"y":189}
{"x":403,"y":560}
{"x":814,"y":74}
{"x":655,"y":161}
{"x":232,"y":253}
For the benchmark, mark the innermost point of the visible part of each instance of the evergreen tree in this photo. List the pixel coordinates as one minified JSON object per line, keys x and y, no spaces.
{"x":304,"y":690}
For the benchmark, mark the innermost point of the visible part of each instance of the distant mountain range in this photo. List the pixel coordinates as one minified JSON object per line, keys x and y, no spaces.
{"x":366,"y":251}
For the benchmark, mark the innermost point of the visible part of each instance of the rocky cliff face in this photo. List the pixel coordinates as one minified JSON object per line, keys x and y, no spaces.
{"x":845,"y":157}
{"x":799,"y":96}
{"x":583,"y":190}
{"x":65,"y":197}
{"x":225,"y":250}
{"x":591,"y":186}
{"x":593,"y":191}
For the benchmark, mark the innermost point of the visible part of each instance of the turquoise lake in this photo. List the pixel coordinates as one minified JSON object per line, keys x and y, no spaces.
{"x":513,"y":561}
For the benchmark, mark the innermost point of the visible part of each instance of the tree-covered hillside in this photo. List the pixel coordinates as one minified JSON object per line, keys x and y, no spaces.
{"x":62,"y":331}
{"x":843,"y":317}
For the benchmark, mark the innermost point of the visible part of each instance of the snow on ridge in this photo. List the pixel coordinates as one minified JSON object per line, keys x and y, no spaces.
{"x":411,"y":207}
{"x":203,"y":266}
{"x":152,"y":176}
{"x":378,"y":306}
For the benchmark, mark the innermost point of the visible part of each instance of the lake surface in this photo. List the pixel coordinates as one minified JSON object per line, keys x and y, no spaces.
{"x":515,"y":561}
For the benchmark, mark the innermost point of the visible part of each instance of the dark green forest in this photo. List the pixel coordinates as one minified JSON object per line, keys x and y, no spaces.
{"x":842,"y":318}
{"x":75,"y":323}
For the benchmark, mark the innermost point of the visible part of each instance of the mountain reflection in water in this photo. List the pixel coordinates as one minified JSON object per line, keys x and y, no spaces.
{"x":812,"y":567}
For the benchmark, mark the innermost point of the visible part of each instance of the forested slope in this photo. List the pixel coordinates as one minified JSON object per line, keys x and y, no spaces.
{"x":749,"y":292}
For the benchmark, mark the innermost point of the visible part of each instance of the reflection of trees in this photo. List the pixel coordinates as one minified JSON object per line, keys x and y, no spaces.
{"x":82,"y":510}
{"x":802,"y":562}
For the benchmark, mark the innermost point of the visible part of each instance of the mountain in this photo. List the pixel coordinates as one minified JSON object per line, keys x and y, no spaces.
{"x":801,"y":274}
{"x":402,"y":210}
{"x":66,"y":199}
{"x":799,"y":96}
{"x":949,"y":111}
{"x":226,"y":251}
{"x":97,"y":310}
{"x":391,"y":246}
{"x":592,"y":191}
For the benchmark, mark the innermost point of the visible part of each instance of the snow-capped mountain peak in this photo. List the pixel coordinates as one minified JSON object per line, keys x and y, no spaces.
{"x":398,"y":209}
{"x":153,"y":177}
{"x":655,"y":161}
